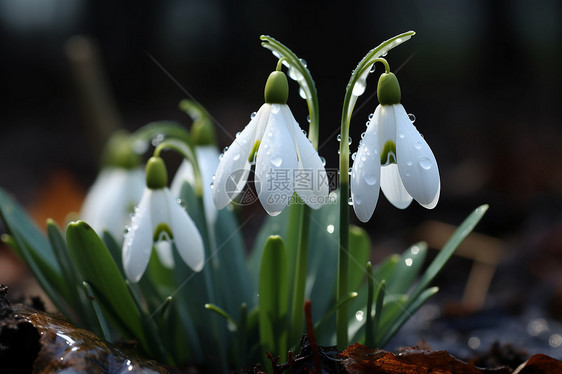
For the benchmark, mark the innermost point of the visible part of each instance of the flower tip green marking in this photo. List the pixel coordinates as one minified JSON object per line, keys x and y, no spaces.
{"x":276,"y":88}
{"x":388,"y":89}
{"x":156,"y":174}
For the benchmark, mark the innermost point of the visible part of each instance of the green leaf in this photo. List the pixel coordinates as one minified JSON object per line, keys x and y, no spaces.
{"x":34,"y":249}
{"x":359,"y":252}
{"x":407,"y":269}
{"x":273,"y":298}
{"x":443,"y":256}
{"x":102,"y":322}
{"x":100,"y":271}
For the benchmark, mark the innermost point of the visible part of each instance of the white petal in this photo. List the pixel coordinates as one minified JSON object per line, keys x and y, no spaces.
{"x":365,"y":176}
{"x":416,"y":163}
{"x":208,"y":159}
{"x":164,"y":251}
{"x":275,"y":164}
{"x":234,"y":168}
{"x":111,"y":198}
{"x":310,"y":180}
{"x":385,"y":123}
{"x":186,"y":236}
{"x":183,"y":174}
{"x":392,"y":187}
{"x":159,"y":208}
{"x":137,"y":245}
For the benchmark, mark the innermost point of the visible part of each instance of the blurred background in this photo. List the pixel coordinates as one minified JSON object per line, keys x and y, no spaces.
{"x":483,"y":79}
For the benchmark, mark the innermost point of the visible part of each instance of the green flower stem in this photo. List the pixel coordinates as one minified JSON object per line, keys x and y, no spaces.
{"x":359,"y":76}
{"x":187,"y":151}
{"x":298,"y":232}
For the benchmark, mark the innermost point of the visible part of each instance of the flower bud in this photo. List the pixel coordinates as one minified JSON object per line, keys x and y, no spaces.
{"x":156,"y":174}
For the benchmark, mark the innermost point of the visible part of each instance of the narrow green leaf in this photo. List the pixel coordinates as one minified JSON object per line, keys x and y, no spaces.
{"x":273,"y":298}
{"x":443,"y":256}
{"x":369,"y":337}
{"x":407,"y":269}
{"x":403,"y":317}
{"x":381,"y":293}
{"x":102,"y":322}
{"x":100,"y":271}
{"x":359,"y":252}
{"x":221,"y":312}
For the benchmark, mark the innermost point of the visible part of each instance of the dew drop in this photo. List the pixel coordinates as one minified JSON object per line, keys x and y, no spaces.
{"x":304,"y":132}
{"x":412,"y":117}
{"x":349,"y":141}
{"x":221,"y":156}
{"x":425,"y":163}
{"x":371,"y":116}
{"x":401,"y":136}
{"x":362,"y":135}
{"x":359,"y":87}
{"x":225,"y":149}
{"x":350,"y":201}
{"x":373,"y":68}
{"x":270,"y":134}
{"x":303,"y":62}
{"x":126,"y":229}
{"x":302,"y":93}
{"x":212,"y":185}
{"x":350,"y":171}
{"x":353,"y":156}
{"x":253,"y":115}
{"x":236,"y":156}
{"x":418,"y":145}
{"x":339,"y":137}
{"x":370,"y":179}
{"x":277,"y":161}
{"x":368,"y":123}
{"x":323,"y":161}
{"x":308,"y":118}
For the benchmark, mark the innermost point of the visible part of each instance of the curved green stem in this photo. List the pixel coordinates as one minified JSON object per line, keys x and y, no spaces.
{"x":297,"y":235}
{"x":359,"y":75}
{"x":186,"y":150}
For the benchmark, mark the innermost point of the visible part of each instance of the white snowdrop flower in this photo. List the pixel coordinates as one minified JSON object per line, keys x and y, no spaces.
{"x":208,"y":160}
{"x":394,"y":156}
{"x":159,"y":221}
{"x":116,"y":190}
{"x":285,"y":160}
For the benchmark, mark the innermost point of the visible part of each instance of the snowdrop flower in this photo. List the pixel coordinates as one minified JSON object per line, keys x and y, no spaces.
{"x":203,"y":135}
{"x":394,"y":156}
{"x":286,"y":161}
{"x":117,"y":189}
{"x":160,"y":221}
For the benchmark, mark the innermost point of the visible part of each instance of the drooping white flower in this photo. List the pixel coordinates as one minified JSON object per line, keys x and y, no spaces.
{"x":285,"y":160}
{"x":159,"y":221}
{"x":111,"y":199}
{"x":393,"y":156}
{"x":116,"y":190}
{"x":208,"y":159}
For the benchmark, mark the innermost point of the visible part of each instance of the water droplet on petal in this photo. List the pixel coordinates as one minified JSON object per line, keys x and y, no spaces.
{"x":353,"y":156}
{"x":370,"y":179}
{"x":277,"y":161}
{"x":350,"y":201}
{"x":253,"y":115}
{"x":409,"y":163}
{"x":236,"y":156}
{"x":425,"y":163}
{"x":304,"y":132}
{"x":368,"y":123}
{"x":362,"y":135}
{"x":225,"y":149}
{"x":412,"y":117}
{"x":302,"y":93}
{"x":238,"y":134}
{"x":350,"y":171}
{"x":221,"y":156}
{"x":418,"y":145}
{"x":371,"y":116}
{"x":401,"y":136}
{"x":126,"y":229}
{"x":212,"y":185}
{"x":323,"y":161}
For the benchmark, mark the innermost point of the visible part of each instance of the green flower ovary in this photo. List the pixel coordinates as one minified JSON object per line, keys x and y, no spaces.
{"x":156,"y":174}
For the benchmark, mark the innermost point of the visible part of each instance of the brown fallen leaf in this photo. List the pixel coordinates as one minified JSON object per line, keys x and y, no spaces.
{"x":539,"y":364}
{"x":360,"y":359}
